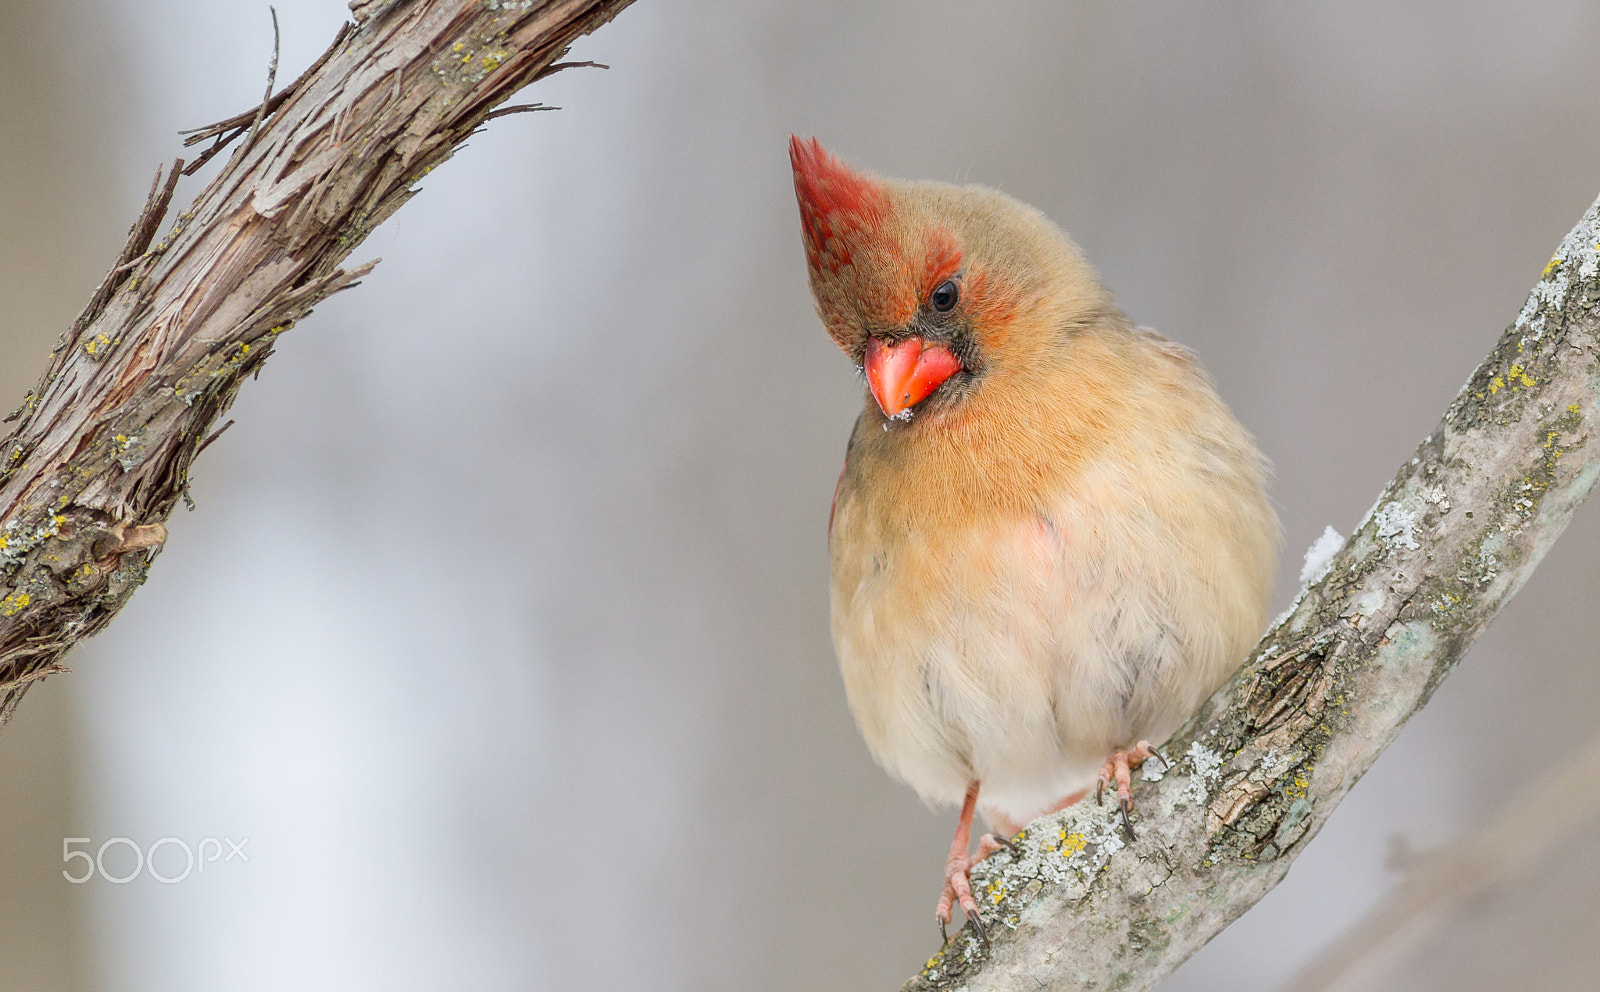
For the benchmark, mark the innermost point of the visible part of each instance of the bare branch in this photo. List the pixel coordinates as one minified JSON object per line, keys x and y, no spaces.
{"x":104,"y":443}
{"x":272,"y":77}
{"x":1256,"y":773}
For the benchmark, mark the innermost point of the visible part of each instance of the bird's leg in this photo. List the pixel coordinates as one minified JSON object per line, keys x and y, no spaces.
{"x":1118,"y":768}
{"x":957,"y":868}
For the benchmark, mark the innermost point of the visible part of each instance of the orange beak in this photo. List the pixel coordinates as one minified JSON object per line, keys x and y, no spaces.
{"x":902,"y":375}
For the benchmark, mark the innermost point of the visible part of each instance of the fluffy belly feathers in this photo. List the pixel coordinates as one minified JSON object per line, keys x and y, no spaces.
{"x":1021,"y":650}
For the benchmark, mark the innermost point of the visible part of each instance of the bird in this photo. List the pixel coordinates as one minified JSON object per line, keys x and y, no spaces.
{"x":1051,"y":539}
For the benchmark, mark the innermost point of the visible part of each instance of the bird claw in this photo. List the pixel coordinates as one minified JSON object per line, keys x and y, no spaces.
{"x":958,"y":890}
{"x":977,"y":924}
{"x":1118,"y":768}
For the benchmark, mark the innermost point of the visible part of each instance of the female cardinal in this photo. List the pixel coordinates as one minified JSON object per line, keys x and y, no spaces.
{"x":1050,"y":541}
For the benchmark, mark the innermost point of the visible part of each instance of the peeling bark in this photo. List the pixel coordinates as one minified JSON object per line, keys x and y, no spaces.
{"x":1259,"y":769}
{"x":104,"y":445}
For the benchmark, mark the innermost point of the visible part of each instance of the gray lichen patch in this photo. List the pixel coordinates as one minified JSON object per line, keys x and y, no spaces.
{"x":1068,"y":850}
{"x":1206,"y":767}
{"x":1063,"y":853}
{"x":1574,"y":267}
{"x":1396,"y":523}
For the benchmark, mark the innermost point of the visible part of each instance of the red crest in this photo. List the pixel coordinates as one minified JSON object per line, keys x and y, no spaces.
{"x":835,"y":202}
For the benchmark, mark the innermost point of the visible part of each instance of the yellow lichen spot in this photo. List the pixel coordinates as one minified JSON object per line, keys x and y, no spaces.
{"x":1298,"y":788}
{"x":14,"y":603}
{"x":1071,"y":844}
{"x":456,"y":47}
{"x":1550,"y":439}
{"x":1573,"y":408}
{"x":491,"y":62}
{"x":1521,"y":378}
{"x":1496,"y":384}
{"x":1551,"y":266}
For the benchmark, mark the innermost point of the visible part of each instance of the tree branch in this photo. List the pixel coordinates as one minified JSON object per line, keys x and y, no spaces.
{"x":105,"y":441}
{"x":1259,"y":769}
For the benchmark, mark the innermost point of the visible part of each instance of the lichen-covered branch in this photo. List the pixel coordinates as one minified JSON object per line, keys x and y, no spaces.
{"x":1259,"y":769}
{"x":103,"y":445}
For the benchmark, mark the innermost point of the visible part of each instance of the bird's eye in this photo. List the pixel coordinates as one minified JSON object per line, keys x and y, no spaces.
{"x":944,"y":298}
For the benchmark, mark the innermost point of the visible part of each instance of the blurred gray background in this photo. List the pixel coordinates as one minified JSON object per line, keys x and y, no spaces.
{"x":500,"y":630}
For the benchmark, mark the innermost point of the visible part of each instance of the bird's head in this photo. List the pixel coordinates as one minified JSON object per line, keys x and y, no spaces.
{"x":931,"y":287}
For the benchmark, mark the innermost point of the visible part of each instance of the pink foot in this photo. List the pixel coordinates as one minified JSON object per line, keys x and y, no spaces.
{"x":1118,"y":768}
{"x":958,"y":870}
{"x":958,"y":867}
